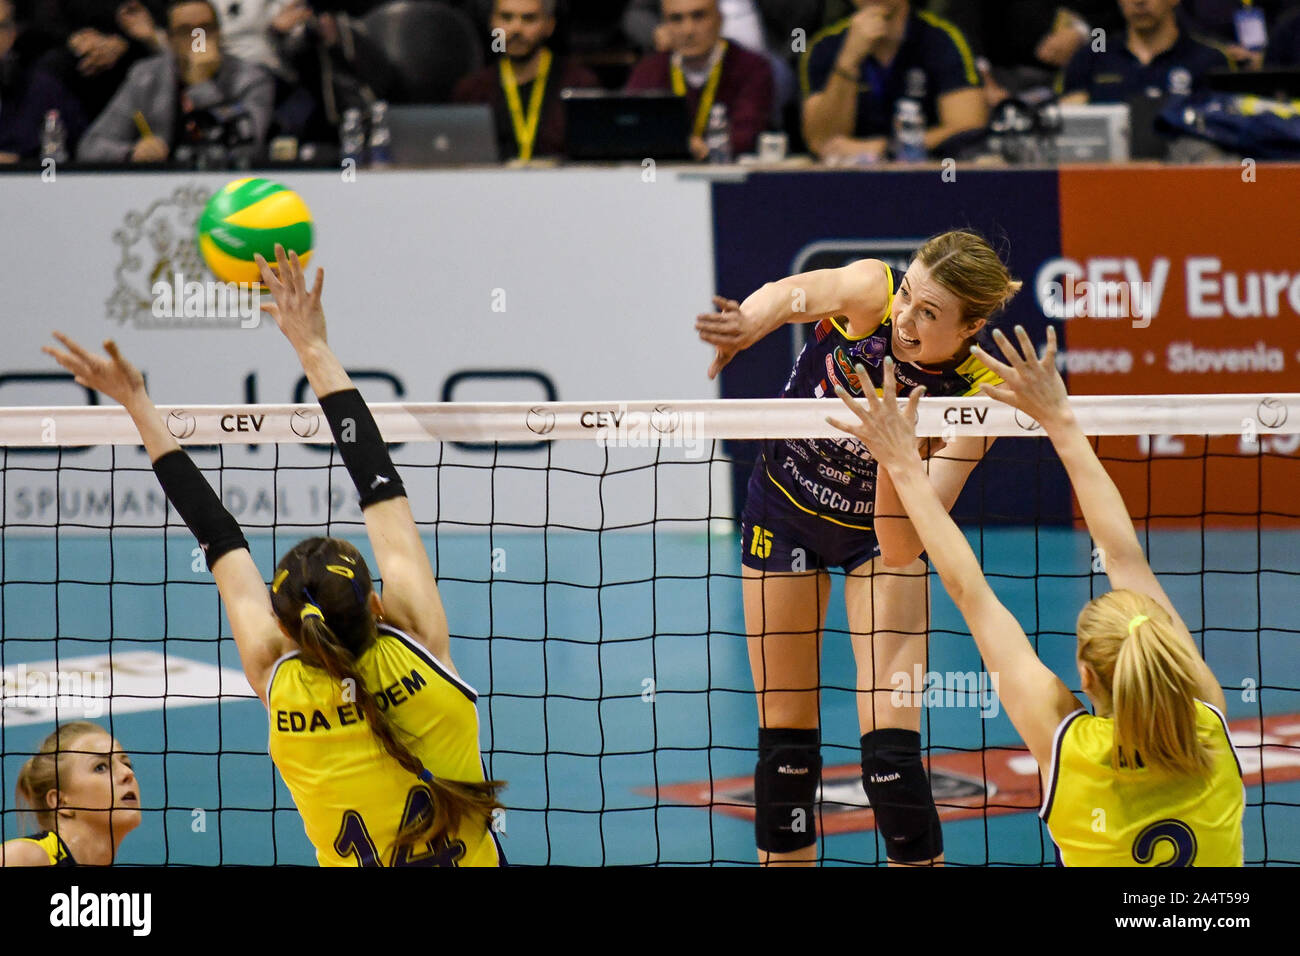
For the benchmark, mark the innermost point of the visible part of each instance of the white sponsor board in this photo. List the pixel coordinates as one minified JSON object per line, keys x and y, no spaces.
{"x":100,"y":686}
{"x":501,"y":285}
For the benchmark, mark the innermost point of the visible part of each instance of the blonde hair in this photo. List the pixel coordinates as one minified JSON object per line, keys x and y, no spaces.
{"x":42,"y":771}
{"x":964,"y":263}
{"x":1131,"y":643}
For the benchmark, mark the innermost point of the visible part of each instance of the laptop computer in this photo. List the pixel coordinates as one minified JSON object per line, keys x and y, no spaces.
{"x":444,"y":135}
{"x":613,"y":126}
{"x":1093,"y":133}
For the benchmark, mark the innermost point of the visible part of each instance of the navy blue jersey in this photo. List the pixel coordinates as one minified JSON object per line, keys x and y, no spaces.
{"x":933,"y":59}
{"x":1116,"y":75}
{"x":835,"y":478}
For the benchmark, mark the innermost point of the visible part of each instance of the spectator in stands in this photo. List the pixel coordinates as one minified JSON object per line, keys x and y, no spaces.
{"x":762,"y":26}
{"x":88,"y":47}
{"x":709,"y":70}
{"x":523,"y":86}
{"x":1021,"y":45}
{"x":857,"y":70}
{"x":1215,"y":21}
{"x":175,"y":98}
{"x":246,"y":31}
{"x":1151,"y":57}
{"x":13,"y":84}
{"x":1284,"y":42}
{"x":336,"y":67}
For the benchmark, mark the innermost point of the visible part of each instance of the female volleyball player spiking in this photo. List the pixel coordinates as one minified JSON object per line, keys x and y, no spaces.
{"x":815,"y":504}
{"x":85,"y":797}
{"x":1155,"y":757}
{"x":344,"y":676}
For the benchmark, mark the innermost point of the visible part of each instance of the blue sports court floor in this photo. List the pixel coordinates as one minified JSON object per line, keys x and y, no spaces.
{"x":567,"y":710}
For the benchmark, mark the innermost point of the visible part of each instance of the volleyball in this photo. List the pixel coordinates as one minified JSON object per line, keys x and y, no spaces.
{"x":249,"y":216}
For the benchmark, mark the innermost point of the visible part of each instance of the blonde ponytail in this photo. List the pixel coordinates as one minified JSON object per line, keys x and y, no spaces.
{"x":1130,"y":642}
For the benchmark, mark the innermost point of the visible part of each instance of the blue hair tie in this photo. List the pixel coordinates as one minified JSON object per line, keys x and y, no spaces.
{"x":425,"y":775}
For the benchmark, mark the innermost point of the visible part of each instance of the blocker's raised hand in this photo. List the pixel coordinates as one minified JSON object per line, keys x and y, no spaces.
{"x":1030,"y":384}
{"x":113,"y":375}
{"x":296,"y":311}
{"x":888,"y":432}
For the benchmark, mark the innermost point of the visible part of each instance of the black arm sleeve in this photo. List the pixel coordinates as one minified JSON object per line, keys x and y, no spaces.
{"x":198,"y":505}
{"x":362,"y":448}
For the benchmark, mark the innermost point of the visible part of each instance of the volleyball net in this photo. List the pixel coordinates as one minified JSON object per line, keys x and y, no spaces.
{"x":588,"y":556}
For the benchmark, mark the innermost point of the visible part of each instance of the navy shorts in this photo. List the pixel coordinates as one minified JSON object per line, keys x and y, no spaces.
{"x":778,"y":536}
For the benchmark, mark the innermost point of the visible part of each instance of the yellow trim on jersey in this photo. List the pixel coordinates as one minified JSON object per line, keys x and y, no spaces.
{"x":889,"y":304}
{"x":54,"y":848}
{"x":978,"y":374}
{"x":816,"y":514}
{"x":958,"y":39}
{"x":804,"y":60}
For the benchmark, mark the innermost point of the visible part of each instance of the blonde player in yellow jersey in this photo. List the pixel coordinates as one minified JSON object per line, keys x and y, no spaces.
{"x":84,"y":794}
{"x":372,"y":729}
{"x":1151,"y":778}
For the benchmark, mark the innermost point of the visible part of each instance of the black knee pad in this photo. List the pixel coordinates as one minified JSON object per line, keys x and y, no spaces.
{"x":899,"y":790}
{"x":786,"y":776}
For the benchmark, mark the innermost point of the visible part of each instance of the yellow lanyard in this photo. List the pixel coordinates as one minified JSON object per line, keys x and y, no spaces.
{"x":525,"y":130}
{"x":710,"y":89}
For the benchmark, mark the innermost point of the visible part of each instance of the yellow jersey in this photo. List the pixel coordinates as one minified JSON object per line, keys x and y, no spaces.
{"x":1099,"y":816}
{"x":354,"y":797}
{"x":53,"y":845}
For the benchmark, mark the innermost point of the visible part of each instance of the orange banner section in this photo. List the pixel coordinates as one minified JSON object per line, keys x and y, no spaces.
{"x":1185,"y":280}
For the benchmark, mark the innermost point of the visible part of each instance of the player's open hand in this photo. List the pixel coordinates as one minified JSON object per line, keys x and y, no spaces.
{"x":112,"y":374}
{"x":888,"y":432}
{"x":729,"y":330}
{"x":296,"y":311}
{"x":1031,"y":384}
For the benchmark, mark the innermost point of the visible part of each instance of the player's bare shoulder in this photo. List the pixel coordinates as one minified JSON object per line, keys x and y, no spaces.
{"x":865,"y":290}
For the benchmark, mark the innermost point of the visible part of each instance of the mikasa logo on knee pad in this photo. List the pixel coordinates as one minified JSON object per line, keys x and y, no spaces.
{"x":789,"y":769}
{"x":886,"y":777}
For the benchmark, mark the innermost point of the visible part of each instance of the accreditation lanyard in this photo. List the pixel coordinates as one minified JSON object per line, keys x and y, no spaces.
{"x":525,"y":128}
{"x":710,"y":88}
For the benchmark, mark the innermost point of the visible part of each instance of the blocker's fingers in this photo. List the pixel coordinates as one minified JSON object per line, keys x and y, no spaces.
{"x":75,"y":348}
{"x":1000,"y":392}
{"x":914,"y":403}
{"x":1049,"y":353}
{"x":318,"y":285}
{"x":855,"y":406}
{"x":1001,"y":369}
{"x":868,"y":391}
{"x":889,"y":384}
{"x":842,"y":425}
{"x":1009,"y":351}
{"x":63,"y":358}
{"x":111,"y":348}
{"x":1026,"y":344}
{"x":282,"y":262}
{"x":269,"y":278}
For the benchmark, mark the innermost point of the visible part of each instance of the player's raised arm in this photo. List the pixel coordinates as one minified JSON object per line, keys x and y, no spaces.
{"x":1034,"y":386}
{"x":410,"y":594}
{"x":1035,"y":698}
{"x":859,"y":291}
{"x":248,"y":606}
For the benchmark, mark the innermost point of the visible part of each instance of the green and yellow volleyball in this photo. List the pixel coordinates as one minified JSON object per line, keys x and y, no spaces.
{"x":250,"y":216}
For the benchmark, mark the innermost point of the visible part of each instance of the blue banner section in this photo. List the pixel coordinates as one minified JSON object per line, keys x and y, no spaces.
{"x":771,"y":225}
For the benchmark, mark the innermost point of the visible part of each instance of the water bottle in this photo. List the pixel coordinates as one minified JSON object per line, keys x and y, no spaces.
{"x":381,"y":153}
{"x":352,"y":136}
{"x":909,"y":132}
{"x":54,"y":138}
{"x":718,"y":135}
